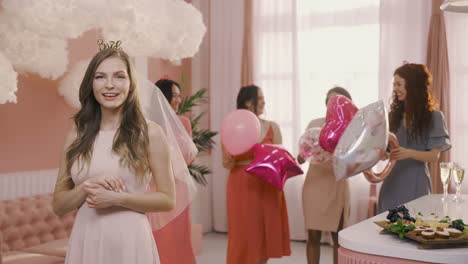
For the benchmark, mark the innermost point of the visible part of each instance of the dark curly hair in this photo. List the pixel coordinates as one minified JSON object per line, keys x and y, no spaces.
{"x":419,"y":102}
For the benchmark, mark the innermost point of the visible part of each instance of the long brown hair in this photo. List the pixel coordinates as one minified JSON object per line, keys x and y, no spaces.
{"x":131,"y":139}
{"x":419,"y":103}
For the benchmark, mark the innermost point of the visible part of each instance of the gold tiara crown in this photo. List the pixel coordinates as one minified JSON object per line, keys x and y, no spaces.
{"x":109,"y":45}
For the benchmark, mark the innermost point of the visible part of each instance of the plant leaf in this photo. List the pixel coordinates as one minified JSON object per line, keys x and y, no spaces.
{"x":198,"y":173}
{"x":203,"y":139}
{"x":194,"y":100}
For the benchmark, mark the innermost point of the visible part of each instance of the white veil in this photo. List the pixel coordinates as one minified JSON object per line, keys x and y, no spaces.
{"x":183,"y":151}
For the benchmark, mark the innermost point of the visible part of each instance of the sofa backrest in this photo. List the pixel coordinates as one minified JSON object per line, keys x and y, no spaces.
{"x":30,"y":221}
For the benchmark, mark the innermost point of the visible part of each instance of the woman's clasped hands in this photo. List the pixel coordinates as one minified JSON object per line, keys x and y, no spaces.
{"x":103,"y":191}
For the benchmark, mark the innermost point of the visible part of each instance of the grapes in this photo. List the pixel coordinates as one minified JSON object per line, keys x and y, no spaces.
{"x":399,"y":212}
{"x":457,"y":225}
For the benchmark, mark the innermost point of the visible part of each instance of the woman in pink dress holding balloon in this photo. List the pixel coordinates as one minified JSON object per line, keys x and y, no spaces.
{"x":257,"y":215}
{"x":325,"y":200}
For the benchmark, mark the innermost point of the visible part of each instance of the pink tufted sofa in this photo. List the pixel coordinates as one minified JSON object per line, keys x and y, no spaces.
{"x":30,"y":232}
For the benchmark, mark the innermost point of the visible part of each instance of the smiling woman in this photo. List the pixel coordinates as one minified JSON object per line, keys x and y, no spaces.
{"x":109,"y":158}
{"x":111,"y":84}
{"x":422,"y":134}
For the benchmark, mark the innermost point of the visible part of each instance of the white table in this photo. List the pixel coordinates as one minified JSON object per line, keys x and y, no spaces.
{"x":364,"y":237}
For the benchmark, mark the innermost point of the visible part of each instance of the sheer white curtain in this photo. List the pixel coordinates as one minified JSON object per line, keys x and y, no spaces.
{"x":404,"y":28}
{"x":276,"y":64}
{"x":303,"y":48}
{"x":457,"y":40}
{"x":226,"y":22}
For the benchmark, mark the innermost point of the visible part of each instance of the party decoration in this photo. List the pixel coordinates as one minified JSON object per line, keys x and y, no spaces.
{"x":140,"y":25}
{"x":30,"y":52}
{"x":150,"y":29}
{"x":340,"y":111}
{"x":69,"y":87}
{"x":273,"y":164}
{"x":34,"y":34}
{"x":9,"y":84}
{"x":240,"y":130}
{"x":113,"y":44}
{"x":374,"y":177}
{"x":309,"y":147}
{"x":363,"y":142}
{"x":54,"y":18}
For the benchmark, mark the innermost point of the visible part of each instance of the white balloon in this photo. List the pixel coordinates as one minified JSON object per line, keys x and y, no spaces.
{"x":9,"y":84}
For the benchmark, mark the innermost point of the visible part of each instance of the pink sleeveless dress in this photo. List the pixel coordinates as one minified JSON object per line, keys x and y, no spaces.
{"x":114,"y":235}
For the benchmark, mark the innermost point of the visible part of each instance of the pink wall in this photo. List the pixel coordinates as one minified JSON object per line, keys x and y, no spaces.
{"x":32,"y":132}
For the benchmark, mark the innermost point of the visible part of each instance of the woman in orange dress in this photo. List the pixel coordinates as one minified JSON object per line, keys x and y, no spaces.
{"x":257,"y":215}
{"x":174,"y":240}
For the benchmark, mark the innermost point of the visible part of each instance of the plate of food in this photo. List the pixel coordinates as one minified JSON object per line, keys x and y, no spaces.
{"x":429,"y":232}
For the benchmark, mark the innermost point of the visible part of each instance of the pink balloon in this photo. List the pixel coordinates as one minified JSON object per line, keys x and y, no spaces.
{"x":240,"y":130}
{"x":340,"y":111}
{"x":309,"y":147}
{"x":273,"y":164}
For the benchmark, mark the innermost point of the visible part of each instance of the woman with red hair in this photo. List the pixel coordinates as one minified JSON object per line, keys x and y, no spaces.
{"x":421,"y":132}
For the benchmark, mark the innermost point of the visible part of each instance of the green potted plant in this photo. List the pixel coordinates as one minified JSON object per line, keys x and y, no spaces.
{"x":202,"y":137}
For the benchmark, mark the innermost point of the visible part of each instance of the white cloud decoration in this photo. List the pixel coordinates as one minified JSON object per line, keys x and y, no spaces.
{"x":34,"y":34}
{"x":69,"y":86}
{"x":168,"y":29}
{"x":55,"y":18}
{"x":31,"y":52}
{"x":9,"y":84}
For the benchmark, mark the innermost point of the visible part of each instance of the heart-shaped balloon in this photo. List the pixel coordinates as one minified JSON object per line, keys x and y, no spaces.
{"x":273,"y":164}
{"x":340,"y":112}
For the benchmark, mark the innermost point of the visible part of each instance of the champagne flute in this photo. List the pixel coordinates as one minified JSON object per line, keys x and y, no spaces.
{"x":445,"y":171}
{"x":458,"y":174}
